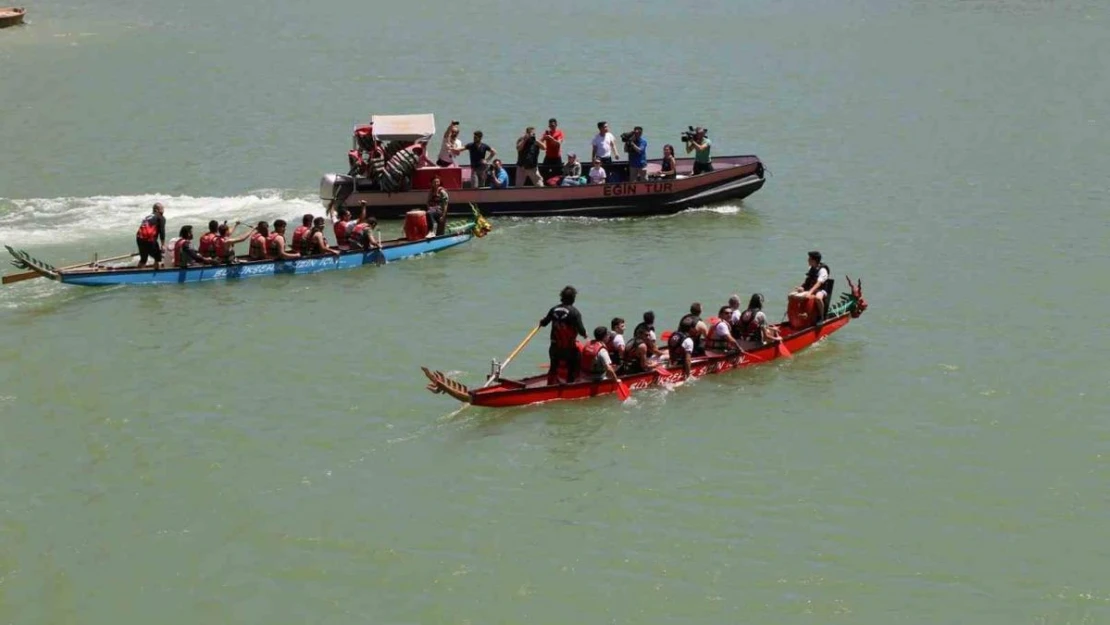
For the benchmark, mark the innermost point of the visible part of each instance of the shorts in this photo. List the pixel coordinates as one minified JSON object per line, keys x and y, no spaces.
{"x":149,"y":248}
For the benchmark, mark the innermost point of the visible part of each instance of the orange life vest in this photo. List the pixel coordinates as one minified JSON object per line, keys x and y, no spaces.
{"x":591,"y":363}
{"x":273,"y":246}
{"x":207,"y":245}
{"x":340,"y":230}
{"x":258,"y":246}
{"x":179,"y":259}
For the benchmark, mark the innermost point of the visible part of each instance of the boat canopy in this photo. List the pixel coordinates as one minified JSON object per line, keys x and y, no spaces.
{"x":403,"y":127}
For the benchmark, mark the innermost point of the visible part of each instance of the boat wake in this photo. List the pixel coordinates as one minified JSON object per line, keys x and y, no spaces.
{"x":40,"y":221}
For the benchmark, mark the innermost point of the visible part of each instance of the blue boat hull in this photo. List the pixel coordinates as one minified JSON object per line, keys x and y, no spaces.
{"x":252,"y":269}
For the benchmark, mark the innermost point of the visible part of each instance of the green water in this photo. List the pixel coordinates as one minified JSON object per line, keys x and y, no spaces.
{"x":264,"y":452}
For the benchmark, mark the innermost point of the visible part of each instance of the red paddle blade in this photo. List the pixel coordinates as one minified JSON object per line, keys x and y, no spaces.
{"x":780,"y":349}
{"x":623,"y":392}
{"x":666,"y":336}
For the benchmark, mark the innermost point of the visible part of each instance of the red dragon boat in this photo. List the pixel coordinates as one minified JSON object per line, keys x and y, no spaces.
{"x":798,"y":332}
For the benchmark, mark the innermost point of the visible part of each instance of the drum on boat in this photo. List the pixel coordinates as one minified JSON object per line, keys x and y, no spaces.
{"x":416,"y":224}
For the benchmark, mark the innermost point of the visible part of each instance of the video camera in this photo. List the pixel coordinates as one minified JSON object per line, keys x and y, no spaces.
{"x":690,"y":133}
{"x":626,"y":137}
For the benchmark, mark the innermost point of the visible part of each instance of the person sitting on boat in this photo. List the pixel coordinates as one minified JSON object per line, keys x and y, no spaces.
{"x":480,"y":153}
{"x":207,"y":245}
{"x":341,"y":227}
{"x":638,"y":353}
{"x":698,"y":328}
{"x":814,"y":284}
{"x":275,"y":243}
{"x":597,"y":362}
{"x":225,"y":245}
{"x":734,"y":306}
{"x":297,"y":243}
{"x":451,"y":146}
{"x":669,"y":168}
{"x":362,"y":236}
{"x":597,"y":172}
{"x":572,"y":172}
{"x":528,"y":158}
{"x":257,"y":249}
{"x":680,"y":345}
{"x":614,"y":341}
{"x":700,"y":145}
{"x":151,"y":237}
{"x":438,"y":201}
{"x":183,"y":253}
{"x":316,"y":242}
{"x":752,"y":323}
{"x":566,"y":327}
{"x":498,"y":177}
{"x":647,"y":326}
{"x":720,"y":337}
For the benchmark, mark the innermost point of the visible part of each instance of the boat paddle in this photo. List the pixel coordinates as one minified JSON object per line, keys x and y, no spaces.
{"x":780,"y":349}
{"x":30,"y":275}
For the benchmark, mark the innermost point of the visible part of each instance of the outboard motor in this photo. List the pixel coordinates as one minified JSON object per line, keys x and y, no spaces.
{"x":335,"y":187}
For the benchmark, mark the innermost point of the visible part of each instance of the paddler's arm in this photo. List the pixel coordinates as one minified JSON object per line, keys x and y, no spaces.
{"x":686,"y":363}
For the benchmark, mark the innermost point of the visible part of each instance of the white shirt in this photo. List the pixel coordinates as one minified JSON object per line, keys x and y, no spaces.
{"x":736,"y":317}
{"x":604,"y":145}
{"x":688,"y":345}
{"x":618,"y":341}
{"x":445,"y":153}
{"x":721,"y":330}
{"x":603,"y":356}
{"x":822,"y":275}
{"x":597,"y":175}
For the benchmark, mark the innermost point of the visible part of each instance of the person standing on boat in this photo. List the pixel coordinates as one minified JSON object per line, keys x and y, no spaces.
{"x":151,"y":237}
{"x":604,"y":145}
{"x":183,"y":253}
{"x":700,"y":145}
{"x":451,"y":146}
{"x":498,"y":177}
{"x":301,"y":232}
{"x":814,"y":284}
{"x":480,"y":153}
{"x":275,"y":243}
{"x":637,"y":155}
{"x":566,"y":327}
{"x":528,"y":158}
{"x":614,"y":340}
{"x":438,"y":201}
{"x":596,"y":359}
{"x":552,"y":147}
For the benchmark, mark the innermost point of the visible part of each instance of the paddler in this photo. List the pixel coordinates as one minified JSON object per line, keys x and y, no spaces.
{"x":596,"y":359}
{"x":566,"y":327}
{"x":720,"y":332}
{"x":698,"y":328}
{"x":637,"y":354}
{"x":183,"y":253}
{"x":301,"y":231}
{"x":341,"y":228}
{"x":680,"y":345}
{"x":257,"y":249}
{"x":275,"y":243}
{"x":752,"y":325}
{"x":316,"y":242}
{"x":362,"y":235}
{"x":648,"y":327}
{"x":614,"y":341}
{"x":225,"y":245}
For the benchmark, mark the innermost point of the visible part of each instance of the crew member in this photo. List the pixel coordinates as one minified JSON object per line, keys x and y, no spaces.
{"x":151,"y":237}
{"x":814,"y":285}
{"x":566,"y":327}
{"x":648,"y":327}
{"x":225,"y":245}
{"x":614,"y":341}
{"x":340,"y":228}
{"x":316,"y":242}
{"x":596,"y":359}
{"x":183,"y":253}
{"x":299,"y":234}
{"x":275,"y":243}
{"x":752,"y":325}
{"x":436,"y":214}
{"x":362,"y":235}
{"x":637,"y":354}
{"x":720,"y":332}
{"x":257,"y":249}
{"x":698,"y":328}
{"x":680,"y":346}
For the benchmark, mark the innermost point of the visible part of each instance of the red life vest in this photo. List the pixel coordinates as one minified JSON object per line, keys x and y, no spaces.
{"x":356,"y":232}
{"x":611,"y":347}
{"x":748,"y":328}
{"x":258,"y":246}
{"x":340,"y":230}
{"x":591,"y":363}
{"x":224,"y":249}
{"x":148,"y":229}
{"x":298,"y":235}
{"x":273,"y":247}
{"x":179,"y":259}
{"x":207,"y":245}
{"x":308,"y":242}
{"x":713,"y":341}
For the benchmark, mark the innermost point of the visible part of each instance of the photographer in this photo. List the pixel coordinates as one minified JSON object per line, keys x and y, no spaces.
{"x":699,"y":144}
{"x":528,"y":158}
{"x":636,"y":147}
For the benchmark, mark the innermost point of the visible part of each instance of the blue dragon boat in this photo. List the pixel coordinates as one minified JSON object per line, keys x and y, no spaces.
{"x":95,"y":274}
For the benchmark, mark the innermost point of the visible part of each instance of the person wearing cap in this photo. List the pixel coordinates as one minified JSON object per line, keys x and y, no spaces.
{"x":572,"y":172}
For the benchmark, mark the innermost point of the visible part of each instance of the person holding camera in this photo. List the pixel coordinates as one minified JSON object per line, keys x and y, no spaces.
{"x":528,"y":158}
{"x":636,"y":146}
{"x":699,"y":144}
